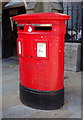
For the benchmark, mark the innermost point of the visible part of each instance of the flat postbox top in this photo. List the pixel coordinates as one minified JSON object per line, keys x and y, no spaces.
{"x":41,"y":17}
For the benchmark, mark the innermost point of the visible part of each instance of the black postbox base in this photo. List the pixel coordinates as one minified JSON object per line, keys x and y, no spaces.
{"x":44,"y":100}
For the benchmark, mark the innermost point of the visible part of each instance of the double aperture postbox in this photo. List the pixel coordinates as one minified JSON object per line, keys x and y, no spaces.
{"x":40,"y":46}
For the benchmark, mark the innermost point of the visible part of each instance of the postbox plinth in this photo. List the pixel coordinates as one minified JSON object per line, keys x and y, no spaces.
{"x":40,"y":46}
{"x":42,"y":100}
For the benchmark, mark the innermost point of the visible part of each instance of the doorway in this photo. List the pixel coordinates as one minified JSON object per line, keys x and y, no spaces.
{"x":9,"y":31}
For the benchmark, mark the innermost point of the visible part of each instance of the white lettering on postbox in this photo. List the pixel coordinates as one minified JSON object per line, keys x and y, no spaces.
{"x":30,"y":29}
{"x":19,"y":47}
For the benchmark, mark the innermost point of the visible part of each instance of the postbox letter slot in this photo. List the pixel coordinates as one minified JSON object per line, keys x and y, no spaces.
{"x":42,"y":28}
{"x":21,"y":27}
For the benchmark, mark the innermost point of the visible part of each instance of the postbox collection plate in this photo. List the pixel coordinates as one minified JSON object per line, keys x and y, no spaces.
{"x":41,"y":49}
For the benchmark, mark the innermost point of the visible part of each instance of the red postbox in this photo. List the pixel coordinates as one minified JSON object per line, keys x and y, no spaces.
{"x":41,"y":59}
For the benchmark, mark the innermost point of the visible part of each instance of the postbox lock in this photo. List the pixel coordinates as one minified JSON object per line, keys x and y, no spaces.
{"x":41,"y":36}
{"x":30,"y":29}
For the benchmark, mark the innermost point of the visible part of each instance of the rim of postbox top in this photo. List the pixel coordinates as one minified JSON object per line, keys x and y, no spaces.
{"x":41,"y":17}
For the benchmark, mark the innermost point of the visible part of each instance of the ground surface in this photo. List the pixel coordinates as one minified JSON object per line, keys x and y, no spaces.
{"x":13,"y":108}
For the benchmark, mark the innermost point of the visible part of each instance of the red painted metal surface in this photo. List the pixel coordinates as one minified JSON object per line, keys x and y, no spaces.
{"x":41,"y":73}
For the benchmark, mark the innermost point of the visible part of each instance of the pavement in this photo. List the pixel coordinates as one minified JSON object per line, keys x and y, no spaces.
{"x":13,"y":108}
